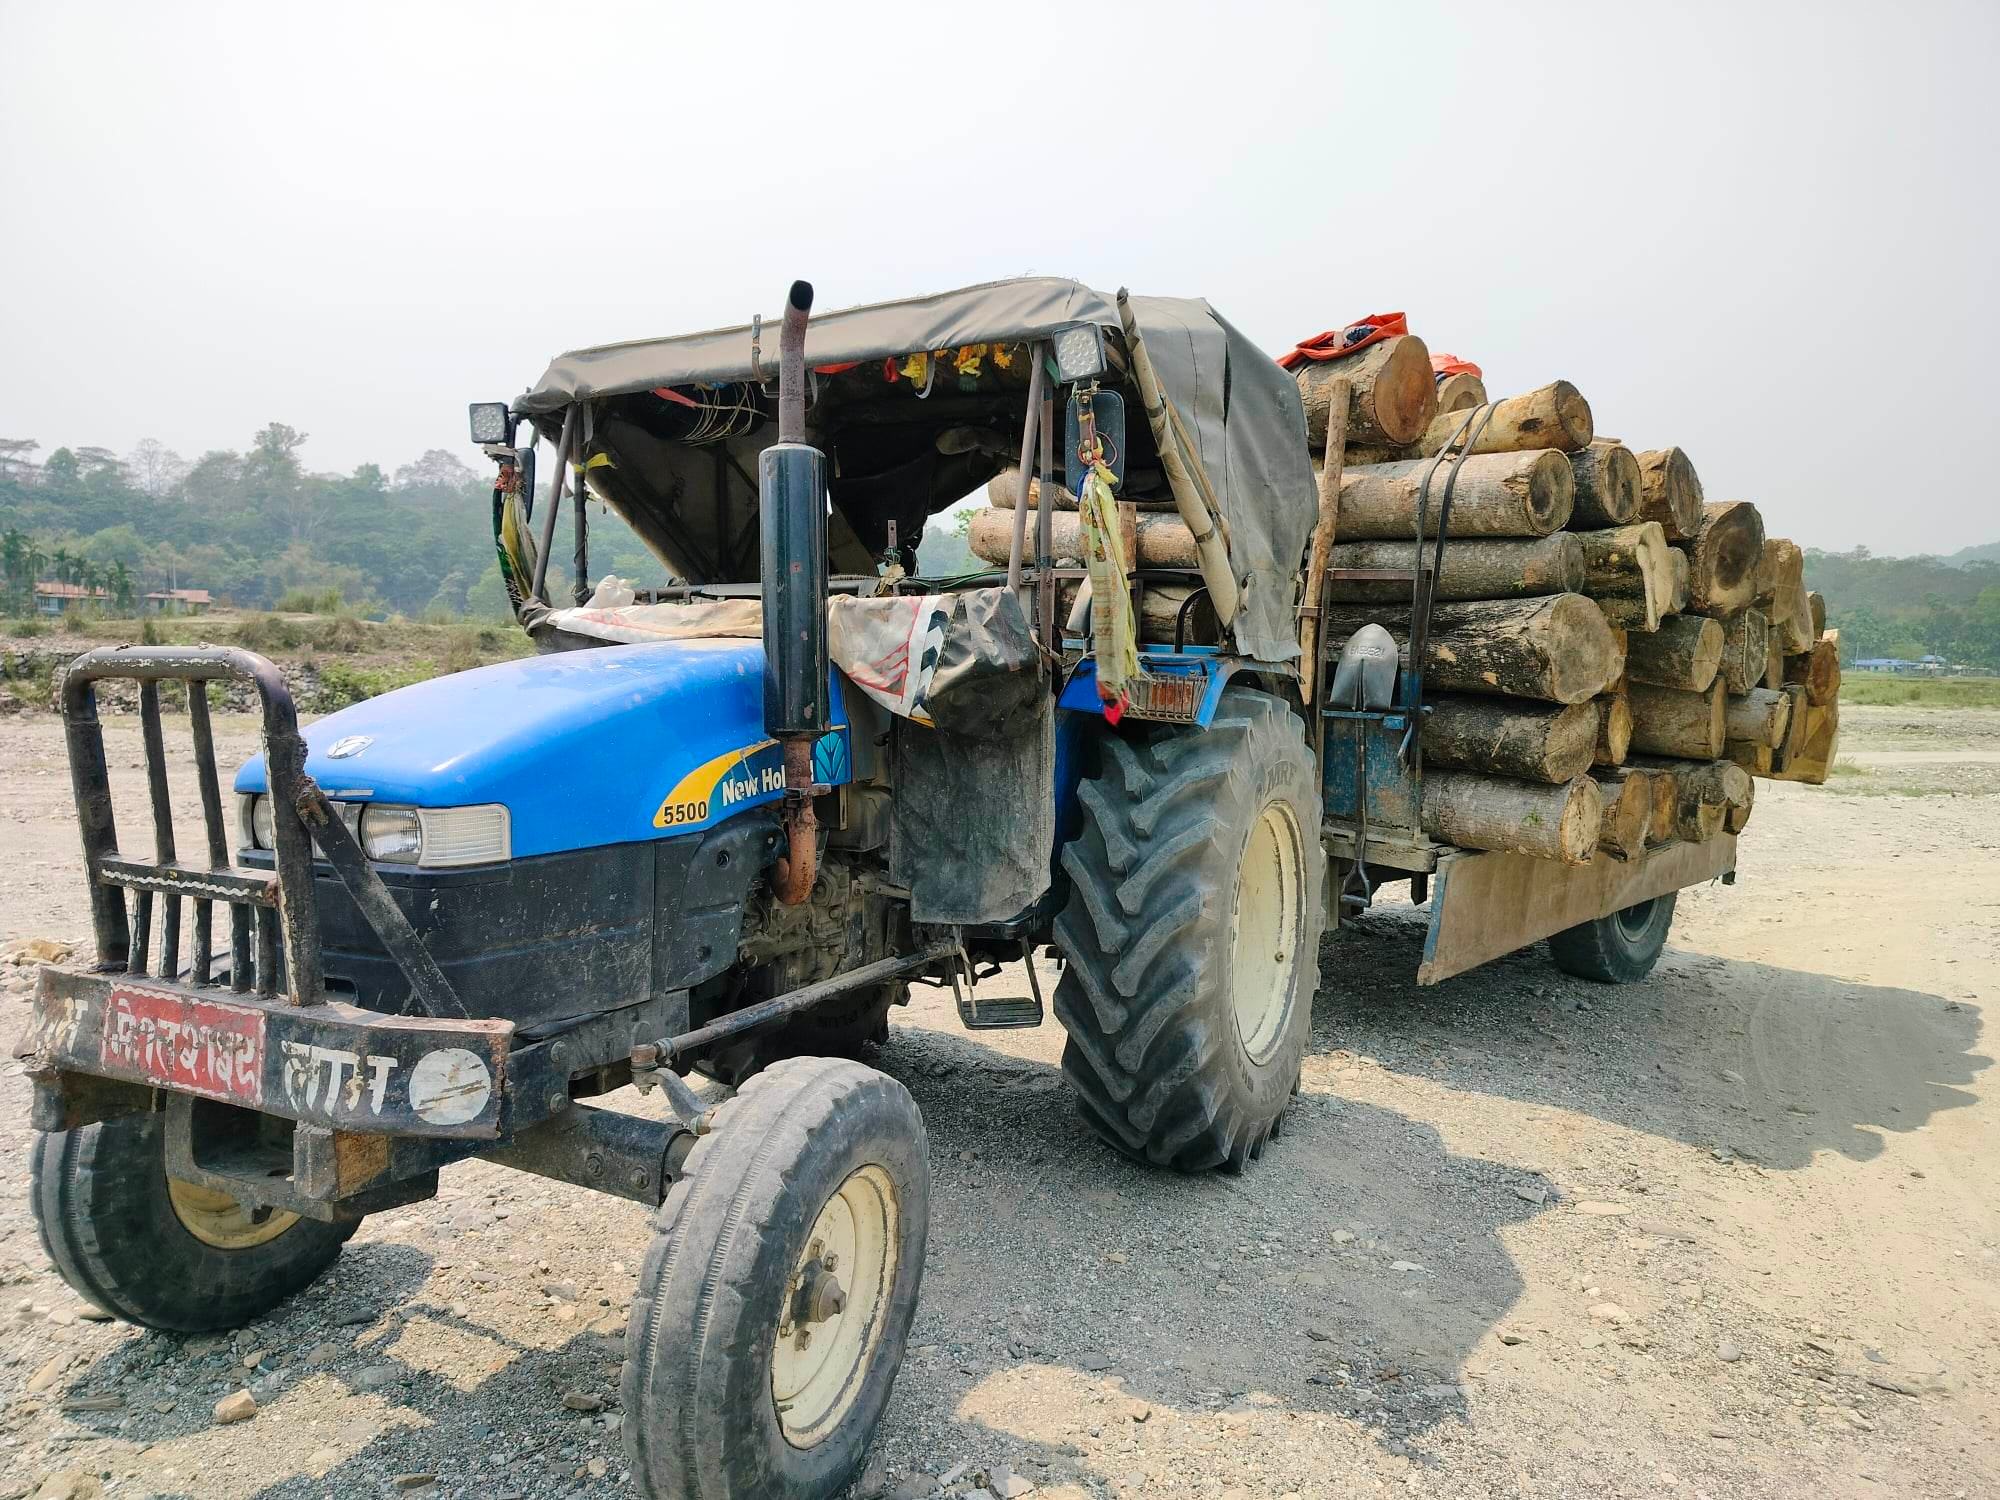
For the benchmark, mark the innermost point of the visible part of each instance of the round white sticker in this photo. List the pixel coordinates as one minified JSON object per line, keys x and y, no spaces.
{"x":450,"y":1086}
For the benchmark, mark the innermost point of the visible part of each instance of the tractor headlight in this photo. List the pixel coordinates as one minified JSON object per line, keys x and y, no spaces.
{"x":253,"y":821}
{"x":435,"y":836}
{"x":491,"y":422}
{"x":1080,"y":352}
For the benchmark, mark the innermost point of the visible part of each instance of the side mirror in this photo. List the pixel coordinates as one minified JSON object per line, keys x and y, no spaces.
{"x":1100,"y":411}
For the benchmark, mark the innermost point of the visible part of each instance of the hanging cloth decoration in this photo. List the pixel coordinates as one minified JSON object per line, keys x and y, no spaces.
{"x":1114,"y":633}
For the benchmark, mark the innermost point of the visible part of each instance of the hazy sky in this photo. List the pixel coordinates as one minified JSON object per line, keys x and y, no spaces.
{"x":1763,"y":232}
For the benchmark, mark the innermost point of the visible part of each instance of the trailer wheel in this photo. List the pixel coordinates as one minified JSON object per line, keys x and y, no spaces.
{"x":774,"y":1303}
{"x":159,"y":1252}
{"x":1619,"y":949}
{"x":1192,"y":934}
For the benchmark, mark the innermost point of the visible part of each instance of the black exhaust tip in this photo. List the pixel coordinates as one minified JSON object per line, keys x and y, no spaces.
{"x":802,"y":296}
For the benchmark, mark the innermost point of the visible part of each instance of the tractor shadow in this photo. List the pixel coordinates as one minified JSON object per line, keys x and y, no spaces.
{"x":1751,"y":1061}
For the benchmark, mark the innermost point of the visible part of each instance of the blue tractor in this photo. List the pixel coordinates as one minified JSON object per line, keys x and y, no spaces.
{"x":722,"y":825}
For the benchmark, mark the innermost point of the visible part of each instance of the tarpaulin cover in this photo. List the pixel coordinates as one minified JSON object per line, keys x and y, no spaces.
{"x":1243,"y":410}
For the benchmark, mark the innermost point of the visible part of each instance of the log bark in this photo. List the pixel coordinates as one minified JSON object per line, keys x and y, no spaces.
{"x":1004,"y":488}
{"x":1681,"y":589}
{"x":1746,"y":644}
{"x":1628,"y":812}
{"x":1797,"y":732}
{"x":1614,"y":729}
{"x":1668,"y":722}
{"x":1670,"y":492}
{"x":1555,"y":416}
{"x":1630,"y":562}
{"x":1521,"y":817}
{"x":1739,"y":813}
{"x":1684,"y":653}
{"x":1506,"y":737}
{"x":1816,"y":606}
{"x":1774,"y":662}
{"x":1780,"y":566}
{"x":1502,"y":494}
{"x":1556,"y":650}
{"x":1607,"y":486}
{"x":1756,"y":759}
{"x":1722,"y":558}
{"x":1818,"y":671}
{"x":1160,"y":541}
{"x":1460,"y":392}
{"x":1633,"y":612}
{"x":1759,"y":716}
{"x":1365,"y":455}
{"x":1393,"y":394}
{"x":1474,"y":568}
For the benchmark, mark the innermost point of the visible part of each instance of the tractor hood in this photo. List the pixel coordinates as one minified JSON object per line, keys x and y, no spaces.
{"x":584,"y":748}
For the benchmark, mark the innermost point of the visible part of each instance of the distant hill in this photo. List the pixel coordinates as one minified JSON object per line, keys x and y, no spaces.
{"x":1912,"y":606}
{"x":1987,"y":552}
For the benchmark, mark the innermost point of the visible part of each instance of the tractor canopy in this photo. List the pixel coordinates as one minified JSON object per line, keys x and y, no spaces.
{"x":918,"y":403}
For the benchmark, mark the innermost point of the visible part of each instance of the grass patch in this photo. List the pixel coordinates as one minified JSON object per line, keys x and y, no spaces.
{"x":341,"y":685}
{"x":1882,"y":690}
{"x":26,"y":630}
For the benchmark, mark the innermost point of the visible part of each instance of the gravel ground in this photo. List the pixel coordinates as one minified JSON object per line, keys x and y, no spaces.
{"x":1731,"y":1232}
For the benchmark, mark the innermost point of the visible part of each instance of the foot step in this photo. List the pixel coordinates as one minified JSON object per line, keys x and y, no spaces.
{"x":983,"y":1013}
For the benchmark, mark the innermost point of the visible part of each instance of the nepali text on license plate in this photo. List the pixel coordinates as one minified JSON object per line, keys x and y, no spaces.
{"x":200,"y":1046}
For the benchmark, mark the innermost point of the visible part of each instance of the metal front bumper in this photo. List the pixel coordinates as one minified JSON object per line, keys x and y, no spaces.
{"x":332,"y":1065}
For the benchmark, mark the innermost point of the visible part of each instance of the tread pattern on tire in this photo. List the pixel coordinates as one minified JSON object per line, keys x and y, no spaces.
{"x":1603,"y":952}
{"x":726,"y":1184}
{"x":106,"y":1224}
{"x":1144,"y":994}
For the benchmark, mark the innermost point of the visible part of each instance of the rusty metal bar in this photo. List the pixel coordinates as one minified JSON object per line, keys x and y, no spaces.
{"x":251,"y":887}
{"x":90,"y":782}
{"x":211,"y":815}
{"x":163,"y":822}
{"x":142,"y":933}
{"x":267,"y":951}
{"x":1037,"y":380}
{"x":539,"y":588}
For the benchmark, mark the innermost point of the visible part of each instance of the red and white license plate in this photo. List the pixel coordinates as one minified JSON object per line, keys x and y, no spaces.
{"x":199,"y":1046}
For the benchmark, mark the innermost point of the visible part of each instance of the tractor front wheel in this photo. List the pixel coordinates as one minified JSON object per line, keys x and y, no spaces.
{"x":1192,"y":934}
{"x":774,"y":1303}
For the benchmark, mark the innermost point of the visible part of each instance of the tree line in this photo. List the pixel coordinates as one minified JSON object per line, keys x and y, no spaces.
{"x":1910,"y":607}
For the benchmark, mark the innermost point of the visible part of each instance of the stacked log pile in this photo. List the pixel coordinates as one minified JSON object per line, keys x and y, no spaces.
{"x":1612,"y":657}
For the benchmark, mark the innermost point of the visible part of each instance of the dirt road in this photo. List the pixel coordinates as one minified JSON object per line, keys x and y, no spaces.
{"x":1732,"y":1232}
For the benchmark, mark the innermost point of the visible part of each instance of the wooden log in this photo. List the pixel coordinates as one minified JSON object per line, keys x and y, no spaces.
{"x":1721,"y":782}
{"x":1812,"y":761}
{"x":1670,"y":492}
{"x":1818,"y":671}
{"x":1633,"y":612}
{"x":1614,"y":729}
{"x":1756,"y":759}
{"x":1745,"y":649}
{"x":1559,"y":823}
{"x":1816,"y":606}
{"x":1798,"y":730}
{"x":1774,"y":661}
{"x":1666,"y":721}
{"x":1366,"y":455}
{"x":1722,"y":558}
{"x":1474,"y":568}
{"x":1507,"y":737}
{"x":1759,"y":716}
{"x":1004,"y":488}
{"x":1739,"y":812}
{"x":1460,"y":392}
{"x":1628,"y":811}
{"x":1630,"y":562}
{"x":1681,"y":592}
{"x":1392,"y":392}
{"x":1160,"y":541}
{"x":1666,"y":802}
{"x":1684,"y":653}
{"x":1780,"y":566}
{"x":1555,"y":416}
{"x":1501,"y":494}
{"x":1556,"y":650}
{"x":1607,"y":486}
{"x":1159,"y":612}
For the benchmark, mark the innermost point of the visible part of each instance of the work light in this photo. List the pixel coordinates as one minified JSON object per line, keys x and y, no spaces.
{"x":1080,"y":352}
{"x":491,"y":422}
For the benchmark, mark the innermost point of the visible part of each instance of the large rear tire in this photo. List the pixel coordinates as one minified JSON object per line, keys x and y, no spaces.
{"x":1192,"y":935}
{"x":1619,"y":949}
{"x":159,"y":1252}
{"x":773,"y":1306}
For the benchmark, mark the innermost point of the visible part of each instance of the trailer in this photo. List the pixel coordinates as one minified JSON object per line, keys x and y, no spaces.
{"x":722,"y":825}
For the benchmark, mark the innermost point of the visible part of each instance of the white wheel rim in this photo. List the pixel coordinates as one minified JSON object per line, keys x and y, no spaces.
{"x":821,"y":1357}
{"x":1264,"y":931}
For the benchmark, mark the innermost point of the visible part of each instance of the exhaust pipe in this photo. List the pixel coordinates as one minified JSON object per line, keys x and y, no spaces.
{"x":792,"y":499}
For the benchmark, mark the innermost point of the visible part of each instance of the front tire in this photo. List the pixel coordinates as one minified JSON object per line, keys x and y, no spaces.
{"x":159,"y":1252}
{"x":1192,"y":935}
{"x":773,"y":1306}
{"x":1619,"y":949}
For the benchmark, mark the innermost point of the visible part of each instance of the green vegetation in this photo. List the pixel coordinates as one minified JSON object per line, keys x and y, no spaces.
{"x":1911,"y":607}
{"x":1884,"y":689}
{"x":256,"y":529}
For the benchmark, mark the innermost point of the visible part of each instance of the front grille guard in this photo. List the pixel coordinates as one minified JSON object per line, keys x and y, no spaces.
{"x":273,"y":917}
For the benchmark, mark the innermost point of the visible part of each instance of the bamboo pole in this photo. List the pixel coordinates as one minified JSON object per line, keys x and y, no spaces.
{"x":1323,"y":534}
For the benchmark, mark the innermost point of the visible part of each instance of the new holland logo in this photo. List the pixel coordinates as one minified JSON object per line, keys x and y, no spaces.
{"x":737,"y":778}
{"x":352,"y":744}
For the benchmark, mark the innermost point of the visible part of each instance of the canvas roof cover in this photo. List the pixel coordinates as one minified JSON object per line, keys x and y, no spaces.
{"x":1243,"y":409}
